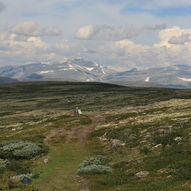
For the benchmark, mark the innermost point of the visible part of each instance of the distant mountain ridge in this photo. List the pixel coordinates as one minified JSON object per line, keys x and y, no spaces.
{"x":74,"y":69}
{"x":172,"y":76}
{"x":178,"y":76}
{"x":4,"y":80}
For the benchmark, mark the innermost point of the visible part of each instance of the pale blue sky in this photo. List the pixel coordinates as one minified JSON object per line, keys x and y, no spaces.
{"x":125,"y":33}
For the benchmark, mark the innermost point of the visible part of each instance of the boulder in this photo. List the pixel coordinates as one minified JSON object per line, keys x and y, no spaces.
{"x":46,"y":161}
{"x":142,"y":174}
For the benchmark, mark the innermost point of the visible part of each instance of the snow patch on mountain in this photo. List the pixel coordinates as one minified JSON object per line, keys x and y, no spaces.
{"x":71,"y":67}
{"x":89,"y":80}
{"x":185,"y":79}
{"x":64,"y":69}
{"x":89,"y":69}
{"x":147,"y":79}
{"x":102,"y":70}
{"x":46,"y":72}
{"x":47,"y":63}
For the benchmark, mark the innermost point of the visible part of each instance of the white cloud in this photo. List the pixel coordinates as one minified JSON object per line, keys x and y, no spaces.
{"x":121,"y":53}
{"x":2,"y":6}
{"x":185,"y":79}
{"x":172,"y":37}
{"x":119,"y":33}
{"x":181,"y":40}
{"x":31,"y":28}
{"x":18,"y":49}
{"x":106,"y":32}
{"x":166,"y":34}
{"x":129,"y":54}
{"x":156,"y":27}
{"x":87,"y":32}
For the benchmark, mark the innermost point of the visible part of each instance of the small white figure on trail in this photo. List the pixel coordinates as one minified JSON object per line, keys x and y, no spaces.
{"x":77,"y":112}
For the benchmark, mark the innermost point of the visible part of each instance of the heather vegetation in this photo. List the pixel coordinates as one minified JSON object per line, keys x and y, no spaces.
{"x":19,"y":149}
{"x":127,"y":138}
{"x":95,"y":165}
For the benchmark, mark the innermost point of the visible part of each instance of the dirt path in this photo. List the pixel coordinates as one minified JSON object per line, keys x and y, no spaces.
{"x":83,"y":182}
{"x":78,"y":134}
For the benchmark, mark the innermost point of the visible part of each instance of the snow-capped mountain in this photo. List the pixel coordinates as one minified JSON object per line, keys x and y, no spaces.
{"x":172,"y":76}
{"x":74,"y":69}
{"x":87,"y":71}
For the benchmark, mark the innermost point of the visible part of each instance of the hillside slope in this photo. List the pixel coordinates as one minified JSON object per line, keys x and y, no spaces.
{"x":143,"y":132}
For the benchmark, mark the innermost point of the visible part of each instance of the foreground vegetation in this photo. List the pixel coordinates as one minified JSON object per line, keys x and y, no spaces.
{"x":127,"y":138}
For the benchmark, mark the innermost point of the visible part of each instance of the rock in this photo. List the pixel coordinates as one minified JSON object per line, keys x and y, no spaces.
{"x":142,"y":174}
{"x":117,"y":143}
{"x":46,"y":161}
{"x":20,"y":177}
{"x":162,"y":171}
{"x":148,"y":135}
{"x":157,"y":147}
{"x":177,"y":139}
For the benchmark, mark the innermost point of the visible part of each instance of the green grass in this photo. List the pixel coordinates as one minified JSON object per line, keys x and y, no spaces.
{"x":29,"y":111}
{"x":60,"y":172}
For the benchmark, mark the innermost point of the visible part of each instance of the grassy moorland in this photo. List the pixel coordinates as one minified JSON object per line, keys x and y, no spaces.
{"x":145,"y":133}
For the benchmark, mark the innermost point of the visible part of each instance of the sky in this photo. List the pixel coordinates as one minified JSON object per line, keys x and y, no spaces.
{"x":122,"y":34}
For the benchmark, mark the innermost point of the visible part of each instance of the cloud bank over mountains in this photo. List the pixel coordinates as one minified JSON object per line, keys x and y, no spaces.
{"x":31,"y":28}
{"x":111,"y":33}
{"x":131,"y":33}
{"x":25,"y":42}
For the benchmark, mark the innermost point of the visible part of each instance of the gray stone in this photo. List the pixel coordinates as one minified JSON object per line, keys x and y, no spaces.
{"x":142,"y":174}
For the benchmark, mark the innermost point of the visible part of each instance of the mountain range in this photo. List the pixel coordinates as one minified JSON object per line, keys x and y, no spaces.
{"x":74,"y":69}
{"x":7,"y":80}
{"x":178,"y":76}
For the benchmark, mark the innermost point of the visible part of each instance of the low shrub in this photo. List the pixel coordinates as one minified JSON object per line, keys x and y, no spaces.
{"x":85,"y":120}
{"x":29,"y":151}
{"x":116,"y":178}
{"x":3,"y":163}
{"x":123,"y":134}
{"x":120,"y":164}
{"x":98,"y":160}
{"x":19,"y":149}
{"x":95,"y":165}
{"x":168,"y":138}
{"x":99,"y":132}
{"x":145,"y":150}
{"x":95,"y":169}
{"x":20,"y":167}
{"x":121,"y":116}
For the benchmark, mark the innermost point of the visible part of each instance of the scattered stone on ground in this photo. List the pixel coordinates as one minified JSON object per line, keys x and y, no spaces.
{"x":46,"y":161}
{"x":177,"y":139}
{"x":115,"y":143}
{"x":142,"y":174}
{"x":156,"y":147}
